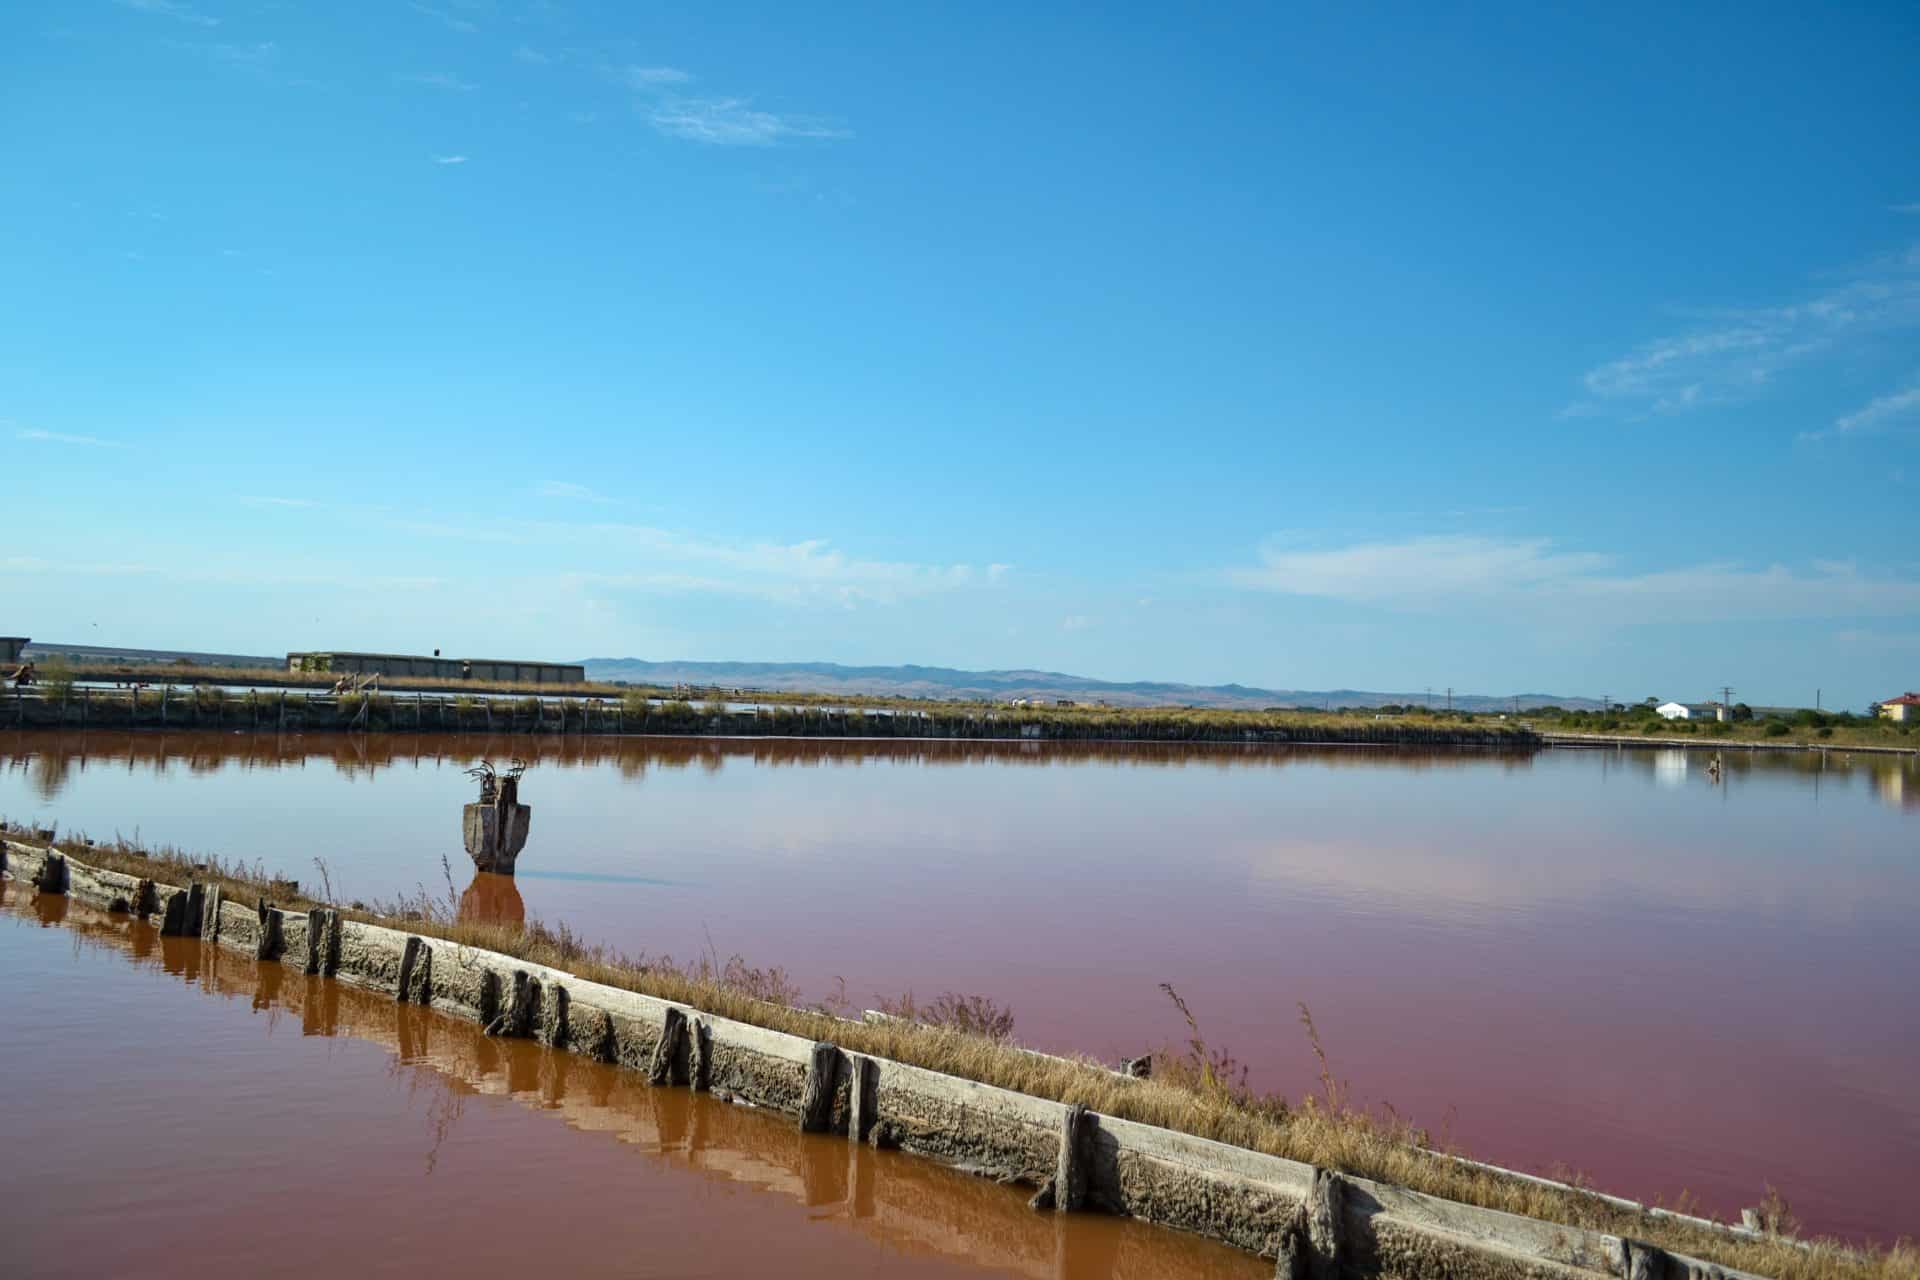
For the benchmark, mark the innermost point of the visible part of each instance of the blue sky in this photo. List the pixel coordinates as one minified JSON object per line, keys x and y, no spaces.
{"x":1298,"y":346}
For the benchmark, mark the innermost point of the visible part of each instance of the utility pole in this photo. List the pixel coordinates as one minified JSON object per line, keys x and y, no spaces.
{"x":1726,"y":703}
{"x":1449,"y":699}
{"x":1816,"y":699}
{"x":1429,"y":697}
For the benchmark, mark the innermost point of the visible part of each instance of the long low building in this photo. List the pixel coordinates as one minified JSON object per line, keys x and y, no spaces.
{"x":408,"y":664}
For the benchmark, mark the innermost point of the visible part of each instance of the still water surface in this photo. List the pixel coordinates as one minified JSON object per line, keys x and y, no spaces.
{"x":1595,"y":961}
{"x":177,"y":1110}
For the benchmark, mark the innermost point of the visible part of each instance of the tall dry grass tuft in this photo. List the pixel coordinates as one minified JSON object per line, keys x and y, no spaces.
{"x":971,"y":1015}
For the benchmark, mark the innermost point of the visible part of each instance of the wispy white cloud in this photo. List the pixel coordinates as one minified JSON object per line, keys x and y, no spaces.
{"x":61,"y":437}
{"x":529,"y":54}
{"x":1906,"y":208}
{"x":449,"y":159}
{"x":1875,"y":415}
{"x":1532,"y":578}
{"x":734,"y":122}
{"x":724,"y":121}
{"x":569,"y":490}
{"x":439,"y":80}
{"x":1735,"y":354}
{"x":226,"y":575}
{"x":452,"y":20}
{"x":172,"y":9}
{"x":265,"y":501}
{"x":807,"y":572}
{"x":655,"y":77}
{"x":257,"y":56}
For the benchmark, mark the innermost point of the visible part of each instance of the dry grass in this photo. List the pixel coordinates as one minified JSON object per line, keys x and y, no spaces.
{"x":1200,"y":1090}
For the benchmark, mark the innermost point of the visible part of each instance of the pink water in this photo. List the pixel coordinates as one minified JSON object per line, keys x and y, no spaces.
{"x":1602,"y":961}
{"x":174,"y":1110}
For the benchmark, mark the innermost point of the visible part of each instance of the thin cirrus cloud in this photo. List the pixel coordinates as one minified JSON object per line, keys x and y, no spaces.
{"x":1736,"y":353}
{"x":257,"y":500}
{"x":445,"y":80}
{"x":655,"y":77}
{"x":717,"y":120}
{"x":735,"y":122}
{"x":62,"y":437}
{"x":571,"y":491}
{"x":811,"y":571}
{"x":1876,"y":415}
{"x":171,"y":9}
{"x":451,"y":20}
{"x":449,"y":159}
{"x":1531,"y":578}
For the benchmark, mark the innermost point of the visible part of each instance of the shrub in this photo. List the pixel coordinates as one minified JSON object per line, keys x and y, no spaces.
{"x":56,"y":678}
{"x":1777,"y":729}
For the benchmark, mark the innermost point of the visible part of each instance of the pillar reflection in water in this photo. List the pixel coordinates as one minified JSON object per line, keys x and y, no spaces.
{"x":492,"y":899}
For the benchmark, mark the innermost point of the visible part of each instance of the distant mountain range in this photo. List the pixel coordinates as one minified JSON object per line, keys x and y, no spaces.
{"x":947,"y":682}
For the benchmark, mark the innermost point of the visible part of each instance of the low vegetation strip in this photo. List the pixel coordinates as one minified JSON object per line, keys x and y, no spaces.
{"x":1192,"y":1093}
{"x":52,"y":705}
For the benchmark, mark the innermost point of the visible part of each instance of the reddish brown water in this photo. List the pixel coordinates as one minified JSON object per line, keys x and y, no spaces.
{"x":174,"y":1110}
{"x":1601,"y":960}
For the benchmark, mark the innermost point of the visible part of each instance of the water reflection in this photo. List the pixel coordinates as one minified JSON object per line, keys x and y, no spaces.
{"x":493,"y":899}
{"x":50,"y":760}
{"x":53,"y":757}
{"x":911,"y":1209}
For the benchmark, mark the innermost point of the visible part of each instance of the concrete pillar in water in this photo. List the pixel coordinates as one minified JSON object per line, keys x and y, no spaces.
{"x":495,"y":826}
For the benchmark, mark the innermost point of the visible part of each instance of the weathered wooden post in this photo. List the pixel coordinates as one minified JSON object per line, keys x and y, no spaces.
{"x":495,"y":826}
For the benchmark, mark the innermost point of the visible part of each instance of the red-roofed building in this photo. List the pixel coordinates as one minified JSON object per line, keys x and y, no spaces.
{"x":1903,"y":708}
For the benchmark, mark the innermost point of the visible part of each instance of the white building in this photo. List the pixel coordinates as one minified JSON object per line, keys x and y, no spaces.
{"x":1690,"y":711}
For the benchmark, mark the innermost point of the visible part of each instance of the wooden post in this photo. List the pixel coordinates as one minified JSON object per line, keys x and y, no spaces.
{"x":700,"y":1053}
{"x":554,"y":1027}
{"x":53,"y":874}
{"x":323,"y":941}
{"x":862,"y":1096}
{"x":1645,"y":1261}
{"x":667,"y":1049}
{"x":516,"y":1020}
{"x":816,"y":1099}
{"x":164,"y":690}
{"x":1327,"y":1223}
{"x":210,"y":914}
{"x":409,"y":956}
{"x":267,"y":946}
{"x":1070,"y":1171}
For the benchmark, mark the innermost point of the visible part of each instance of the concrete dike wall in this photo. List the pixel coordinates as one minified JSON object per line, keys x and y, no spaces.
{"x":1312,"y":1222}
